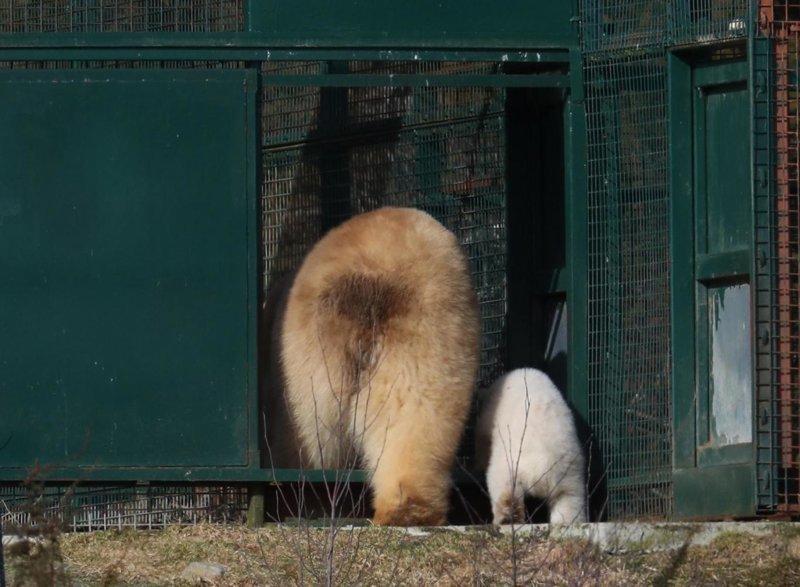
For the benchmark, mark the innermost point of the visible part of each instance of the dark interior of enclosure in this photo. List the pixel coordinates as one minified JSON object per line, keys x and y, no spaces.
{"x":536,"y":333}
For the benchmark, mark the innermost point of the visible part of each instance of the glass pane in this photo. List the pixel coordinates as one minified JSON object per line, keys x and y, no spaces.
{"x":730,"y":366}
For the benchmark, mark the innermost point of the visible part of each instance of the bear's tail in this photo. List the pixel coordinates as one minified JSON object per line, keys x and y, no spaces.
{"x":362,"y":308}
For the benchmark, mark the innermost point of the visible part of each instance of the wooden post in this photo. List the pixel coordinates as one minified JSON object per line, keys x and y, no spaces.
{"x":255,"y":506}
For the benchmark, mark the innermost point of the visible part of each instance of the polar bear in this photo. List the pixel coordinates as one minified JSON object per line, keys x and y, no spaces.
{"x":527,"y":442}
{"x":380,"y":350}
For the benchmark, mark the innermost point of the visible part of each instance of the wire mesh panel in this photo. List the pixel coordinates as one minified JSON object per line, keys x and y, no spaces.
{"x":629,"y":317}
{"x":630,"y":396}
{"x":701,"y":21}
{"x":332,"y":152}
{"x":88,"y":16}
{"x":625,"y":24}
{"x":123,"y":506}
{"x":115,"y":64}
{"x":777,"y":107}
{"x":617,"y":24}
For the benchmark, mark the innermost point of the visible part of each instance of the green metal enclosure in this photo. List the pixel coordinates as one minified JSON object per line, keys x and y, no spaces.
{"x":233,"y":136}
{"x":691,"y":115}
{"x":621,"y":175}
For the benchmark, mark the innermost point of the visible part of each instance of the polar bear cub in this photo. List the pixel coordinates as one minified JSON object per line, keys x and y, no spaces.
{"x":526,"y":440}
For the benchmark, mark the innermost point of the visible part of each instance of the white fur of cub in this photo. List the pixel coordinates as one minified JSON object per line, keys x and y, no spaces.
{"x":527,"y":437}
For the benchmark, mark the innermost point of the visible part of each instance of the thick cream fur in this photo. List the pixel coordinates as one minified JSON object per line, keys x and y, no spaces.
{"x":380,"y":345}
{"x":526,"y":436}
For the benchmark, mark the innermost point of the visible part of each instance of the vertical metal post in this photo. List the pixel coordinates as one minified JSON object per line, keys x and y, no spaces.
{"x":2,"y":563}
{"x":255,"y":506}
{"x":769,"y":367}
{"x":612,"y":344}
{"x":334,"y":161}
{"x":577,"y":241}
{"x":782,"y":204}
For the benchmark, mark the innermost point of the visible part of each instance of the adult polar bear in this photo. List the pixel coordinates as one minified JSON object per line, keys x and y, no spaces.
{"x":380,"y":346}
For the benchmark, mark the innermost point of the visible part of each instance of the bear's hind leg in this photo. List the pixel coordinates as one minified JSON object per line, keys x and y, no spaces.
{"x":411,"y":461}
{"x":410,"y":489}
{"x":509,"y":507}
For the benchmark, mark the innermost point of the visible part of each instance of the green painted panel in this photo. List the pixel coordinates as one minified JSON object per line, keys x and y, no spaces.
{"x":419,"y":23}
{"x":714,"y":492}
{"x":127,"y":268}
{"x":727,"y":172}
{"x":716,"y":266}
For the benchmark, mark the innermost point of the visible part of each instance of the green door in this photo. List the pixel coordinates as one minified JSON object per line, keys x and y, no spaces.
{"x":712,"y":300}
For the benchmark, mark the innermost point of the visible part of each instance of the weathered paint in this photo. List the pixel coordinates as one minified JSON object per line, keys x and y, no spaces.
{"x":730,"y":368}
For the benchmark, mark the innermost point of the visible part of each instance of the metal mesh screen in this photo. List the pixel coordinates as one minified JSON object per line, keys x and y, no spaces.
{"x":624,"y":46}
{"x":107,"y":64}
{"x":777,"y":107}
{"x":330,"y":153}
{"x":124,"y":506}
{"x":625,"y":24}
{"x":629,"y":325}
{"x":619,"y":23}
{"x":93,"y":16}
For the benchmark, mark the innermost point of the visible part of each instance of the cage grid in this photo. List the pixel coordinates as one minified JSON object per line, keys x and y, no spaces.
{"x":628,"y":283}
{"x":624,"y":47}
{"x":703,"y":21}
{"x":633,"y":25}
{"x":118,"y":64}
{"x":90,"y":16}
{"x":85,"y":508}
{"x":777,"y":104}
{"x":288,"y":112}
{"x":332,"y":152}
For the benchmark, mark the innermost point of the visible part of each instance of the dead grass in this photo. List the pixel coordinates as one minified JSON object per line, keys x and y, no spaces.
{"x":736,"y":558}
{"x":285,"y":554}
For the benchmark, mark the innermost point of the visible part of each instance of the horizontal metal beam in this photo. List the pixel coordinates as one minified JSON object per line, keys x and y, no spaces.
{"x":58,"y":475}
{"x":420,"y":80}
{"x":179,"y":474}
{"x":241,"y":47}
